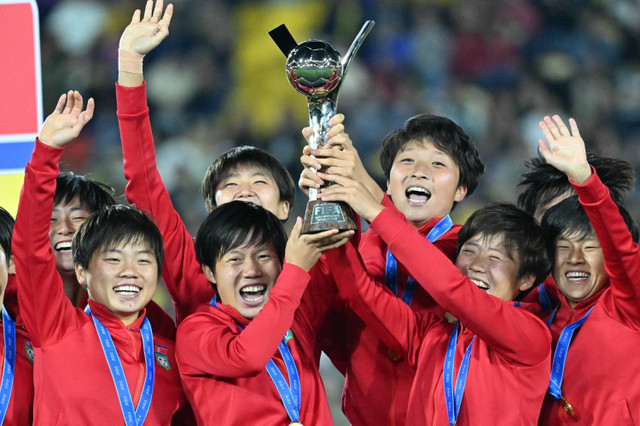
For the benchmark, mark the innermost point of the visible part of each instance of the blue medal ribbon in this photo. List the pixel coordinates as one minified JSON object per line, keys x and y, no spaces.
{"x":132,"y":416}
{"x":289,"y":394}
{"x":9,"y":363}
{"x":560,"y":356}
{"x":453,"y":398}
{"x":391,"y":269}
{"x":543,"y":298}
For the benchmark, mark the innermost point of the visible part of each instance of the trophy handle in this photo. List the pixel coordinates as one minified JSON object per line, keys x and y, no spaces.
{"x":357,"y":42}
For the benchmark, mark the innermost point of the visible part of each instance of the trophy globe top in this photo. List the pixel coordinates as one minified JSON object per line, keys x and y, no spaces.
{"x":314,"y":68}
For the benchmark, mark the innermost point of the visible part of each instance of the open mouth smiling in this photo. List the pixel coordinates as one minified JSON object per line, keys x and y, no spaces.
{"x":481,"y":284}
{"x":127,"y":290}
{"x":417,"y":195}
{"x":253,"y":294}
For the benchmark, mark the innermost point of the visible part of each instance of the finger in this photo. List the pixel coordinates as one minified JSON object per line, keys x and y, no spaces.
{"x":546,"y":132}
{"x":297,"y":227}
{"x":157,"y":11}
{"x":77,"y":104}
{"x":553,"y":129}
{"x":148,"y":10}
{"x":168,"y":14}
{"x":334,"y":131}
{"x":562,"y":128}
{"x":136,"y":17}
{"x":308,"y":161}
{"x":336,"y":119}
{"x":320,"y":236}
{"x":307,"y":132}
{"x":543,"y":149}
{"x":88,"y":114}
{"x":69,"y":105}
{"x":574,"y":127}
{"x":60,"y":105}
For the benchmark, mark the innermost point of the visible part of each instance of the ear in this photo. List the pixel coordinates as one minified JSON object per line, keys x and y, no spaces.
{"x":388,"y":193}
{"x":283,"y":210}
{"x":525,"y":283}
{"x":211,"y":276}
{"x":12,"y":266}
{"x":81,"y":275}
{"x":461,"y":192}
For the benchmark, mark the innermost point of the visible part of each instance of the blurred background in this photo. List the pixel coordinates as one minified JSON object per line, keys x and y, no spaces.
{"x":494,"y":67}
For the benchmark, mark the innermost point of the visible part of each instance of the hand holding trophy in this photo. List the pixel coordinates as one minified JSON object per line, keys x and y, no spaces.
{"x":316,"y":69}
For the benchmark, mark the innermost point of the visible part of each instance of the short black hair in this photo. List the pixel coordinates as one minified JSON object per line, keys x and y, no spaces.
{"x":6,"y":230}
{"x":446,"y":136}
{"x":93,"y":194}
{"x":521,"y":233}
{"x":236,"y":224}
{"x":246,"y":156}
{"x":569,"y":219}
{"x":543,"y":182}
{"x":112,"y":226}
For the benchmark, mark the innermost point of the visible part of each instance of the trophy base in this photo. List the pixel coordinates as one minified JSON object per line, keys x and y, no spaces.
{"x":325,"y":215}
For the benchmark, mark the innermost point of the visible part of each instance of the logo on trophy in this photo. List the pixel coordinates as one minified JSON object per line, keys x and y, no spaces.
{"x":316,"y":69}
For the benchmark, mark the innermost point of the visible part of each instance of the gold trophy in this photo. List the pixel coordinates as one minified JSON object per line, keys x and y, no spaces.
{"x":316,"y":69}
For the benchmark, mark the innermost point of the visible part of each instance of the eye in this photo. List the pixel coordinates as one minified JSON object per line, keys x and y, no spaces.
{"x":79,"y":218}
{"x":112,"y":260}
{"x":494,"y":257}
{"x":145,"y":261}
{"x":407,"y":160}
{"x":229,"y":185}
{"x":439,"y":164}
{"x":262,"y":181}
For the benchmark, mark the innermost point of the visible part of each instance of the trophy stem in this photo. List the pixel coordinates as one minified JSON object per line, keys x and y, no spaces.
{"x":320,"y":112}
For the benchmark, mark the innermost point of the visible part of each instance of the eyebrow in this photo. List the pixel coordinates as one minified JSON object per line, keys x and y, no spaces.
{"x":119,"y":251}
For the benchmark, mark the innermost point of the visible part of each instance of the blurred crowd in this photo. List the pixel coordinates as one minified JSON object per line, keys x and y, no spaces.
{"x":495,"y":67}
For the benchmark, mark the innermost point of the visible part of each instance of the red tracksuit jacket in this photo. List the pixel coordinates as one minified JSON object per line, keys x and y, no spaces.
{"x":602,"y":366}
{"x":72,"y":381}
{"x":510,"y":358}
{"x":377,"y":380}
{"x":223,"y":367}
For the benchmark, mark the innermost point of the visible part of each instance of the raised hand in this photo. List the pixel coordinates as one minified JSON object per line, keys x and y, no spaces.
{"x":144,"y":34}
{"x":337,"y":157}
{"x":564,"y":148}
{"x":66,"y":121}
{"x":353,"y":193}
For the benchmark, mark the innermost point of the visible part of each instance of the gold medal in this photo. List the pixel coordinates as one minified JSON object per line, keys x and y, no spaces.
{"x":295,"y":424}
{"x":567,"y":407}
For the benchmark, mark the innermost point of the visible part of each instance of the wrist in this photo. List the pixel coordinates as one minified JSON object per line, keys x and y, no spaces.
{"x":129,"y":61}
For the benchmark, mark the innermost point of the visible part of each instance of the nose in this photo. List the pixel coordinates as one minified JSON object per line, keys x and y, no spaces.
{"x":64,"y":226}
{"x":419,"y":170}
{"x":478,"y":263}
{"x":251,"y":268}
{"x":576,"y":256}
{"x":244,"y":191}
{"x":129,"y":268}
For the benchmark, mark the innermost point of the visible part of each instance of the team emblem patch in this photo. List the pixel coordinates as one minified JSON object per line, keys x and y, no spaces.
{"x":288,"y":336}
{"x":162,"y":356}
{"x":28,"y":349}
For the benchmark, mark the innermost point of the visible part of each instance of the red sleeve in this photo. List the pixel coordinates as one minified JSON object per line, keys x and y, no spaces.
{"x":316,"y":300}
{"x":182,"y":274}
{"x":621,"y":255}
{"x":395,"y":323}
{"x":519,"y":336}
{"x":210,"y":342}
{"x":47,"y":313}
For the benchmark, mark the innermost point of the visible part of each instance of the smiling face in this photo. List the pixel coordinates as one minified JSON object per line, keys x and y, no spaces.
{"x":121,"y":278}
{"x":486,"y":261}
{"x":423,"y":182}
{"x":578,"y":267}
{"x":252,"y":184}
{"x":244,"y":276}
{"x":65,"y":221}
